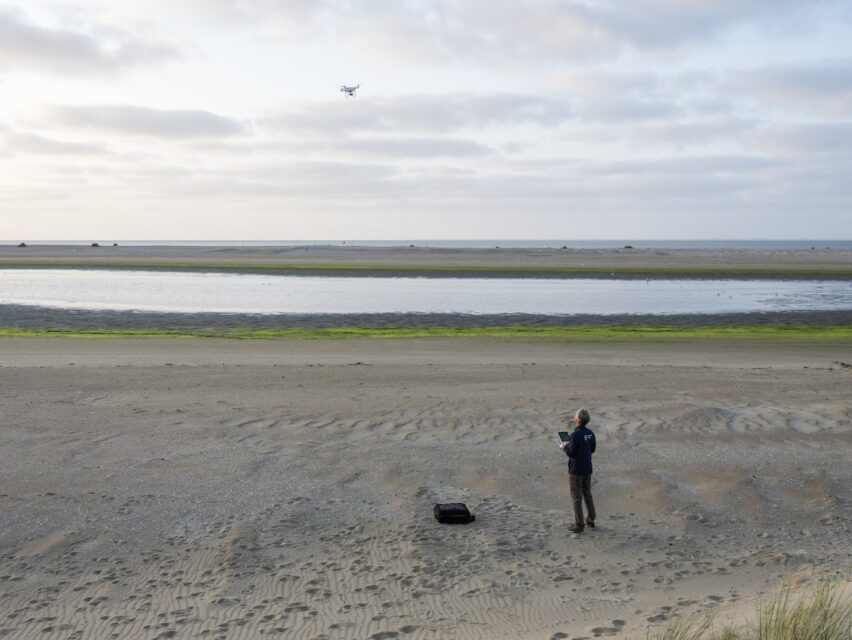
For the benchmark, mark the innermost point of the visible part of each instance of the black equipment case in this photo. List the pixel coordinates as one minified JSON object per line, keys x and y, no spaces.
{"x":453,"y":513}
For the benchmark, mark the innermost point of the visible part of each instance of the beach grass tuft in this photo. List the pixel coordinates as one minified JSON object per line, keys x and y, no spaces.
{"x":683,"y":629}
{"x":824,"y":613}
{"x":821,"y":615}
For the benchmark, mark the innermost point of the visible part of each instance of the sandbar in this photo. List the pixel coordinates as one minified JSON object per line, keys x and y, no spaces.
{"x":819,"y":262}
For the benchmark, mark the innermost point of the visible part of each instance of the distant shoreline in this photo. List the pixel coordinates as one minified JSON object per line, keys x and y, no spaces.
{"x":350,"y":261}
{"x":426,"y":243}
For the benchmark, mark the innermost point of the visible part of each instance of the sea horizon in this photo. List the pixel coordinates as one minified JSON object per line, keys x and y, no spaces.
{"x":818,"y":243}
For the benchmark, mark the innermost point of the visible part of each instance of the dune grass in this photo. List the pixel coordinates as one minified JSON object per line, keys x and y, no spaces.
{"x":824,"y":613}
{"x":821,"y":615}
{"x":570,"y":333}
{"x":684,"y":629}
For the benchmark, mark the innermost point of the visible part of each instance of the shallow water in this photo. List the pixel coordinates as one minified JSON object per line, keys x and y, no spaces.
{"x":268,"y":294}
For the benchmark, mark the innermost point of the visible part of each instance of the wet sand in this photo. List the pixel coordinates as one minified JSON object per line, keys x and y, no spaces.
{"x":219,"y":489}
{"x":34,"y":317}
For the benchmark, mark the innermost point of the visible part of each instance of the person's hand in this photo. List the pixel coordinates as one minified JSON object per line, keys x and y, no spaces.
{"x":562,"y":446}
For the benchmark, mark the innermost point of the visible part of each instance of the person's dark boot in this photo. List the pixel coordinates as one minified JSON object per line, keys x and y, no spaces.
{"x":590,"y":524}
{"x":575,"y":529}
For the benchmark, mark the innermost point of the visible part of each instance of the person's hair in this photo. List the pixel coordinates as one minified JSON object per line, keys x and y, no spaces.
{"x":583,"y":415}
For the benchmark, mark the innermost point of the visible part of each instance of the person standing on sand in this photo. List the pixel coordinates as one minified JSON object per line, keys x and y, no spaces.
{"x":579,"y":448}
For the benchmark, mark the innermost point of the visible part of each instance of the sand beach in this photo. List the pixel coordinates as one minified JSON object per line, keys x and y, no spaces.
{"x":156,"y":488}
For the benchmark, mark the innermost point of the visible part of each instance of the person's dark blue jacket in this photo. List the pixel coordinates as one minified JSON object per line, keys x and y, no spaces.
{"x":581,"y":446}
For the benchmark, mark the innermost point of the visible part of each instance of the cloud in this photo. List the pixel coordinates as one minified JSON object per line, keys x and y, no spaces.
{"x":693,"y":132}
{"x":146,"y":121}
{"x":674,"y":166}
{"x":255,"y":10}
{"x":27,"y":45}
{"x":23,"y":142}
{"x":419,"y":113}
{"x":506,"y":30}
{"x":416,"y":147}
{"x":823,"y":86}
{"x":603,"y":84}
{"x":622,"y":109}
{"x":665,"y":24}
{"x":816,"y":138}
{"x":319,"y":181}
{"x":381,"y":147}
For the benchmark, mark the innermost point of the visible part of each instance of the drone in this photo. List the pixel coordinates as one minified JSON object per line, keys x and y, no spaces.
{"x":350,"y":91}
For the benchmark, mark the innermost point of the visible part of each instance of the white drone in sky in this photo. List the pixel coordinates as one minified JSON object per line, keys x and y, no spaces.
{"x":350,"y":91}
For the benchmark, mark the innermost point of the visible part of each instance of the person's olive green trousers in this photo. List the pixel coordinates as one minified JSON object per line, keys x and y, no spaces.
{"x":581,"y":489}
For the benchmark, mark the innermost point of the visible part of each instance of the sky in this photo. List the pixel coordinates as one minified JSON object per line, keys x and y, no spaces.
{"x":570,"y":119}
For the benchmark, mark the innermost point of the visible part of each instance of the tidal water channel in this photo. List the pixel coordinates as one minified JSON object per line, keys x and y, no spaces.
{"x":182,"y":292}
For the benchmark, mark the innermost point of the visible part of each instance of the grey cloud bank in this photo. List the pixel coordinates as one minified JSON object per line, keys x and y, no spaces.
{"x":413,"y":147}
{"x":818,"y":87}
{"x":145,"y":121}
{"x":23,"y":142}
{"x":488,"y":30}
{"x":425,"y":112}
{"x":834,"y":138}
{"x":25,"y":44}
